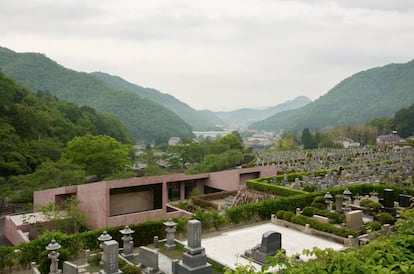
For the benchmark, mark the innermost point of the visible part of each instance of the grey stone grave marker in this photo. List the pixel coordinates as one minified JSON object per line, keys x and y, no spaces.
{"x":70,"y":268}
{"x":148,"y":259}
{"x":110,"y":257}
{"x":194,"y":259}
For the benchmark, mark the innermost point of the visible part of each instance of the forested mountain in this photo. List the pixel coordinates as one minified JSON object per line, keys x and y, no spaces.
{"x":34,"y":128}
{"x":198,"y":121}
{"x":144,"y":119}
{"x":377,"y":92}
{"x":246,"y":116}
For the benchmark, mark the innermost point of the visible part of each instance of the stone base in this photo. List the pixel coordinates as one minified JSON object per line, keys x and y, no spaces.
{"x":257,"y":256}
{"x":185,"y":269}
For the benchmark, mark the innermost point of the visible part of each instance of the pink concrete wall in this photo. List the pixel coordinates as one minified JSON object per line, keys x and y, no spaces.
{"x":94,"y":197}
{"x":229,"y":180}
{"x":14,"y":234}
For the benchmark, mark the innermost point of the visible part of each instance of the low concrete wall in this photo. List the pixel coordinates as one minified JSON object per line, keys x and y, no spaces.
{"x":13,"y":233}
{"x":309,"y":230}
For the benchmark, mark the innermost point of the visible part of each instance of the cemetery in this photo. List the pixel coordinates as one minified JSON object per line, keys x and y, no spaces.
{"x":343,"y":204}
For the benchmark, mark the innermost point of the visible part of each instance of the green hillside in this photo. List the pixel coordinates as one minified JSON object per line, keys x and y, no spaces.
{"x":377,"y":92}
{"x":247,"y":116}
{"x":198,"y":121}
{"x":145,"y":120}
{"x":34,"y":128}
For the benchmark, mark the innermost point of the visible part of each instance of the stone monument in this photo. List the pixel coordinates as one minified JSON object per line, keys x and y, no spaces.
{"x":110,"y":257}
{"x":170,"y":229}
{"x":194,"y":259}
{"x":271,"y":243}
{"x":128,"y":244}
{"x":354,"y":220}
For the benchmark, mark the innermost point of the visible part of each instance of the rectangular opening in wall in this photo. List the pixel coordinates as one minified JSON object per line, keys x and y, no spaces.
{"x":135,"y":199}
{"x":174,"y":191}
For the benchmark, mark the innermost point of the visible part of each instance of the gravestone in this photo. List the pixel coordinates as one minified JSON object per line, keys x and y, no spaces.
{"x":110,"y":257}
{"x":148,"y":259}
{"x":271,"y":243}
{"x":404,"y":200}
{"x":194,"y":259}
{"x":388,"y":201}
{"x":338,"y":203}
{"x":70,"y":268}
{"x":354,"y":220}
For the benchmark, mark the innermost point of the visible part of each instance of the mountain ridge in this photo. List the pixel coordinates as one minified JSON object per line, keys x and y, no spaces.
{"x":146,"y":120}
{"x":371,"y":93}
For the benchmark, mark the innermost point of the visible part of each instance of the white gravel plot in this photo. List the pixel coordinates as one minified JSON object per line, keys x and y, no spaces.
{"x":227,"y":247}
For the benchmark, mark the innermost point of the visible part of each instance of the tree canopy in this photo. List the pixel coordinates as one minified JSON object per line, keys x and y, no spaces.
{"x":99,"y":155}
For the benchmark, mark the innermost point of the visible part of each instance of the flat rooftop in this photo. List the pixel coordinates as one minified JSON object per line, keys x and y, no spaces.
{"x":227,"y":247}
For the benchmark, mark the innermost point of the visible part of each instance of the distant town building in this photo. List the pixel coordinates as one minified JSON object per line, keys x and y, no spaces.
{"x":346,"y":142}
{"x":391,"y":141}
{"x":173,"y":141}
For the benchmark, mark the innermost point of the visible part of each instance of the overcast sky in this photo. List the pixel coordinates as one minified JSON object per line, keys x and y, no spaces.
{"x":216,"y":54}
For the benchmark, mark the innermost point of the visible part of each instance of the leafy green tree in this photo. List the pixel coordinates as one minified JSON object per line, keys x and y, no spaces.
{"x":307,"y":139}
{"x":288,"y":141}
{"x":99,"y":155}
{"x":403,"y":122}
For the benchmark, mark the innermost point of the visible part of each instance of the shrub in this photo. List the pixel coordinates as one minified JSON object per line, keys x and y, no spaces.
{"x":385,"y":218}
{"x":273,"y":189}
{"x":288,"y":215}
{"x":373,"y":226}
{"x":308,"y":211}
{"x":370,"y":205}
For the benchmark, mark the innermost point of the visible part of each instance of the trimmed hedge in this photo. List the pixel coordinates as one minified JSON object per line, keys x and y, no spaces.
{"x":303,"y":220}
{"x":336,"y":217}
{"x":273,"y":189}
{"x":264,"y":209}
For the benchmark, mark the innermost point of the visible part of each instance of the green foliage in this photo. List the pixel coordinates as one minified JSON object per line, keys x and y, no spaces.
{"x":370,"y":205}
{"x":288,"y":141}
{"x":35,"y":128}
{"x":373,"y":226}
{"x":403,"y":121}
{"x":385,"y":218}
{"x":377,"y":92}
{"x":337,"y":218}
{"x":308,"y":140}
{"x":145,"y":119}
{"x":198,"y":120}
{"x":128,"y":268}
{"x":99,"y":155}
{"x":209,"y":219}
{"x":303,"y":220}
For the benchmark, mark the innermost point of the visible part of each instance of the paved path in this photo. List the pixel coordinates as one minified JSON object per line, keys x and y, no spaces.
{"x":164,"y":263}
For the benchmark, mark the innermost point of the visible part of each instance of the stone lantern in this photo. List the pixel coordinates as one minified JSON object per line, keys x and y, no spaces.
{"x":328,"y":200}
{"x":170,"y":229}
{"x":128,"y":244}
{"x":53,"y":255}
{"x":103,"y":238}
{"x":347,"y":196}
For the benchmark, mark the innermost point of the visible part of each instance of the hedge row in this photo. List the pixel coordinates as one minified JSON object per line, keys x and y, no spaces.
{"x":303,"y":220}
{"x":273,"y":189}
{"x":264,"y":209}
{"x":72,"y":244}
{"x":336,"y":217}
{"x":291,"y":177}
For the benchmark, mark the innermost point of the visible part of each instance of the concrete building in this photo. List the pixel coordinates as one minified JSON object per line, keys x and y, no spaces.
{"x":135,"y":200}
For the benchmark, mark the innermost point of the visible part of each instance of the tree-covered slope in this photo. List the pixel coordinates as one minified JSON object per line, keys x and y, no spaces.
{"x":246,"y":116}
{"x":144,"y":119}
{"x":34,"y":128}
{"x":377,"y":92}
{"x":197,"y":120}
